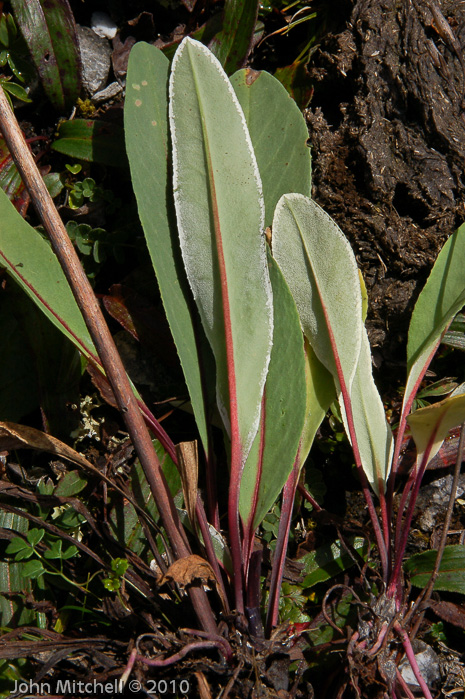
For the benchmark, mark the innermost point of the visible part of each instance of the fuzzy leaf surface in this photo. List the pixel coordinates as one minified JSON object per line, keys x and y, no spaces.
{"x":220,"y":212}
{"x":279,"y":136}
{"x":374,"y":435}
{"x":320,"y":269}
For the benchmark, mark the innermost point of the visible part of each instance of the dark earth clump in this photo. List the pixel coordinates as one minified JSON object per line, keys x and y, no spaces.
{"x":387,"y":131}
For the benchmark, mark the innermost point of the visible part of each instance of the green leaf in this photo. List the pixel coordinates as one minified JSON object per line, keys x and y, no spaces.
{"x":374,"y":435}
{"x":219,"y":209}
{"x":441,"y":299}
{"x":71,"y":484}
{"x":35,"y":536}
{"x":329,"y":560}
{"x":320,"y":269}
{"x":279,"y":136}
{"x":146,"y":128}
{"x":55,"y":550}
{"x":16,"y":545}
{"x":322,"y":273}
{"x":70,"y":552}
{"x":55,"y":361}
{"x":54,"y":182}
{"x":16,"y":91}
{"x":93,"y":141}
{"x":11,"y":578}
{"x":283,"y":412}
{"x":111,"y":584}
{"x":451,"y":576}
{"x":119,"y":566}
{"x":233,"y":43}
{"x":30,"y":260}
{"x":320,"y":392}
{"x":50,"y":33}
{"x":430,"y":426}
{"x":74,"y":169}
{"x":33,"y":569}
{"x":70,"y":519}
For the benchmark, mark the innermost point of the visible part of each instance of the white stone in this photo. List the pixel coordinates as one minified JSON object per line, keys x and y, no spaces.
{"x":103,"y":25}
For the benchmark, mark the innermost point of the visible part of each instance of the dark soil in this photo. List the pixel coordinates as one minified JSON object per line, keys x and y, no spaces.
{"x":387,"y":130}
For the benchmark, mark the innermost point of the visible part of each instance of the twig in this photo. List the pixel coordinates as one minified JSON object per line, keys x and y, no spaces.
{"x":103,"y":342}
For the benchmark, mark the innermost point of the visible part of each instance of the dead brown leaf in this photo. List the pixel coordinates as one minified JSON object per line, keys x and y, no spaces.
{"x":203,"y":686}
{"x":189,"y":467}
{"x":185,"y":570}
{"x":449,"y":611}
{"x":13,"y":436}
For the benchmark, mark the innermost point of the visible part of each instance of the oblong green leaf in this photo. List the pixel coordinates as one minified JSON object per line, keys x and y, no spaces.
{"x":322,"y":273}
{"x":451,"y":576}
{"x":50,"y":32}
{"x":146,"y":129}
{"x":374,"y":435}
{"x":441,"y":299}
{"x":430,"y":426}
{"x":320,"y":269}
{"x":219,"y":208}
{"x":92,"y":140}
{"x":283,"y":411}
{"x":279,"y":136}
{"x":30,"y":260}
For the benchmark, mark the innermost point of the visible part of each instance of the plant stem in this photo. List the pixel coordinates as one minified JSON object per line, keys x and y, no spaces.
{"x":412,"y":659}
{"x":104,"y":343}
{"x":404,"y":532}
{"x":426,"y":593}
{"x":362,"y":475}
{"x":279,"y":557}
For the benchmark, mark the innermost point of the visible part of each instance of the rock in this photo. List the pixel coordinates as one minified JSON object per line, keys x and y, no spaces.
{"x":433,"y":499}
{"x":108,"y":93}
{"x":96,"y":60}
{"x":428,"y":663}
{"x":103,"y":25}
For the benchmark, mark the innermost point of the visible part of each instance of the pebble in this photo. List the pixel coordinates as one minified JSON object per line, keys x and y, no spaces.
{"x":103,"y":25}
{"x":96,"y":60}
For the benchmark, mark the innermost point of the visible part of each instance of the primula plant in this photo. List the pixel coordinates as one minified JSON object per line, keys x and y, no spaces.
{"x":267,"y":308}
